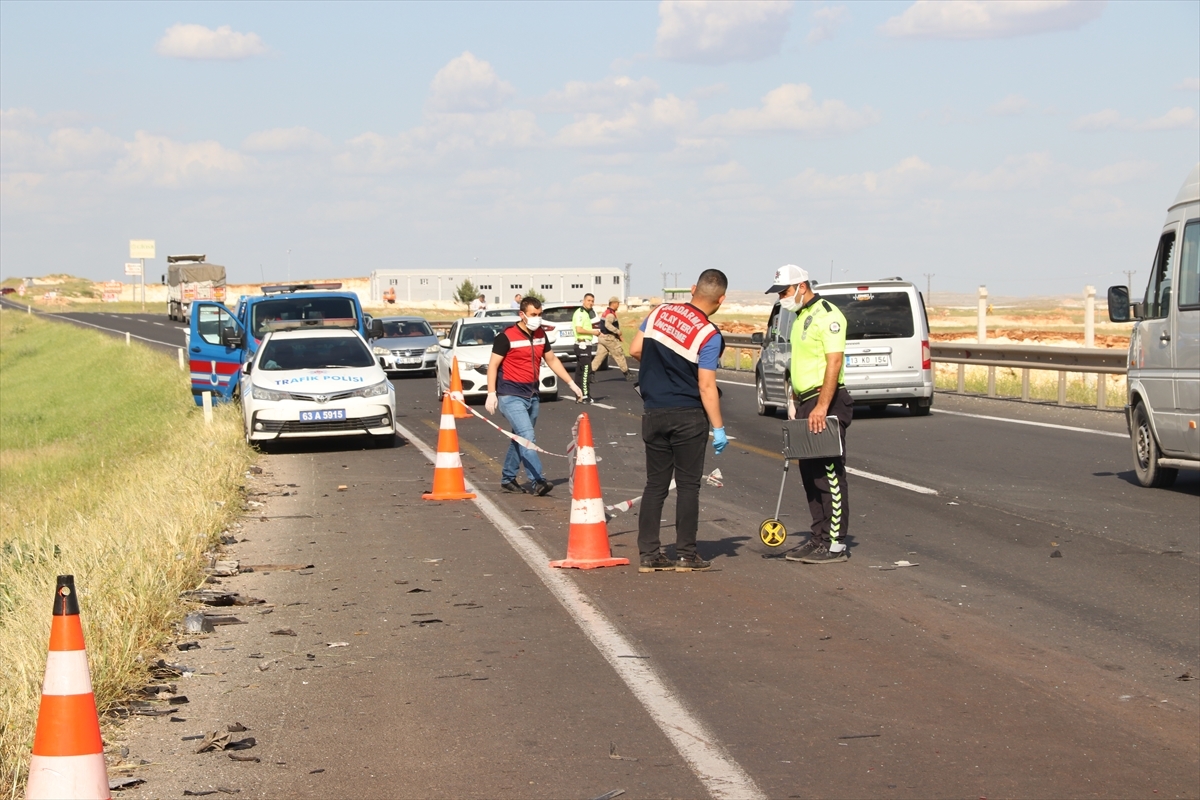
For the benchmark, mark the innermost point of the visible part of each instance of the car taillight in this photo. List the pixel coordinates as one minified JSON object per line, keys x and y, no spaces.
{"x":925,"y":355}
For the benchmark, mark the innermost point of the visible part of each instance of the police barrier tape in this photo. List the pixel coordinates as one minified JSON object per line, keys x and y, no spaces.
{"x":712,"y":479}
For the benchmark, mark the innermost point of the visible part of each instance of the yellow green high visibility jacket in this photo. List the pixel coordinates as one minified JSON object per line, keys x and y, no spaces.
{"x":819,"y":329}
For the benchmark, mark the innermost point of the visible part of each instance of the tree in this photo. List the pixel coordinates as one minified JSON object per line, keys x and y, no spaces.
{"x":466,"y":292}
{"x":536,"y":295}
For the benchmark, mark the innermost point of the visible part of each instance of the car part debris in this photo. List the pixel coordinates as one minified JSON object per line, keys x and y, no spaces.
{"x":216,"y":597}
{"x":337,"y":644}
{"x":612,"y":753}
{"x":236,"y":757}
{"x":236,"y":727}
{"x":277,"y":567}
{"x":283,"y":632}
{"x":187,"y":646}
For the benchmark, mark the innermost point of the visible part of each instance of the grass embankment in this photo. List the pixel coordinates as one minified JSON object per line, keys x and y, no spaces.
{"x":1043,"y":384}
{"x":107,"y":472}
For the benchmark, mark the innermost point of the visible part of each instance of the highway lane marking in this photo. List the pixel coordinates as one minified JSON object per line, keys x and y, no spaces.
{"x":102,"y":328}
{"x":716,"y":769}
{"x":871,"y":476}
{"x":1029,"y":422}
{"x":602,"y":405}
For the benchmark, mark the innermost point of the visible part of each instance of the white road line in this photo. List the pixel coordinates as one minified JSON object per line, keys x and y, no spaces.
{"x":602,"y":405}
{"x":1035,"y":424}
{"x":716,"y":769}
{"x":736,"y":383}
{"x":111,"y":330}
{"x":871,"y":476}
{"x":160,"y":324}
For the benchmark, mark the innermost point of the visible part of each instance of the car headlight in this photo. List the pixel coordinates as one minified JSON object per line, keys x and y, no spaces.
{"x":433,"y":348}
{"x":259,"y":393}
{"x":381,"y":351}
{"x":375,"y":390}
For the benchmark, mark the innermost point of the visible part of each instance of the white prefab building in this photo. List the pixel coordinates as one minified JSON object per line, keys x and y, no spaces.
{"x":556,"y":285}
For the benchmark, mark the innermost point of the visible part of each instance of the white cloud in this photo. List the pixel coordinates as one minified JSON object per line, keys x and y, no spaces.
{"x":605,"y":95}
{"x":663,"y":114}
{"x":62,"y":150}
{"x":717,"y":32}
{"x":696,"y":150}
{"x":166,"y":162}
{"x":990,"y":19}
{"x":892,"y":180}
{"x":486,"y":178}
{"x":729,"y":172}
{"x":440,"y":136}
{"x":1189,"y":85}
{"x":1118,"y":173}
{"x":1111,"y":119}
{"x":200,"y":43}
{"x":282,"y":140}
{"x":791,"y":108}
{"x":1010,"y":106}
{"x":609,"y":183}
{"x":826,"y":22}
{"x":1026,"y":171}
{"x":468,"y":85}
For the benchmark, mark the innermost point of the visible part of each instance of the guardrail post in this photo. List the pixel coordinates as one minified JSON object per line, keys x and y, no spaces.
{"x":1025,"y":384}
{"x":1089,"y":316}
{"x":1101,"y":391}
{"x":206,"y":401}
{"x":962,"y":378}
{"x":127,"y":339}
{"x":1062,"y":388}
{"x":991,"y":381}
{"x":181,"y":364}
{"x":981,"y":316}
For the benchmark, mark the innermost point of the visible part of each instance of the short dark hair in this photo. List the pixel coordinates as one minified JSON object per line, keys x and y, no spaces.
{"x":529,"y":302}
{"x":711,"y":284}
{"x":589,"y":294}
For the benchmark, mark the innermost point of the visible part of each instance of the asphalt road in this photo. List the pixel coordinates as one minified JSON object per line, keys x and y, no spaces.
{"x":992,"y":668}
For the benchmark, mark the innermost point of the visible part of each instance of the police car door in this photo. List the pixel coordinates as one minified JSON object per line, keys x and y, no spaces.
{"x":782,"y":387}
{"x":214,"y":357}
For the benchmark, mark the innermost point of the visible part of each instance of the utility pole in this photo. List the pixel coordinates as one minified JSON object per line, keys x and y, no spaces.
{"x":665,"y":274}
{"x":676,"y":274}
{"x":289,"y":277}
{"x":928,"y":289}
{"x":628,"y":264}
{"x":1129,"y":273}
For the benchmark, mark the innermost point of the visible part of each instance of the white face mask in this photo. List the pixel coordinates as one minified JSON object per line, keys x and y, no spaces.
{"x":788,"y":303}
{"x":533,"y":323}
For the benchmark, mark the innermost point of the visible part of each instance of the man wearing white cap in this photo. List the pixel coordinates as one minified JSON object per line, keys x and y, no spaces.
{"x":819,"y":393}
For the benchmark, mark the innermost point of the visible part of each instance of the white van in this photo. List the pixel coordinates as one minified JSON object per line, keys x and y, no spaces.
{"x":887,"y":347}
{"x":1163,"y":406}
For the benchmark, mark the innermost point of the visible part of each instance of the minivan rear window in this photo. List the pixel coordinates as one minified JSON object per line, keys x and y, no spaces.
{"x":875,"y":315}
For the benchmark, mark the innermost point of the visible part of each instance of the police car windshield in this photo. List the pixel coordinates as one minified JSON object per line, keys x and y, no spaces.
{"x":295,"y":307}
{"x":875,"y":315}
{"x":396,"y":330}
{"x":326,"y":352}
{"x":481,"y":333}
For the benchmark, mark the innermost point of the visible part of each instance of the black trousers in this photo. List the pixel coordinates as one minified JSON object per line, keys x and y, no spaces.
{"x":584,"y":353}
{"x":675,"y":439}
{"x":825,"y":478}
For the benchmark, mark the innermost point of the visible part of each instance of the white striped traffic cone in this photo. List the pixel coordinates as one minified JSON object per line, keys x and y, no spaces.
{"x":587,"y":543}
{"x":449,"y":483}
{"x":68,"y":754}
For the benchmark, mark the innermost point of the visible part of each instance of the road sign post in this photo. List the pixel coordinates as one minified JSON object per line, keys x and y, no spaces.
{"x":141,"y":249}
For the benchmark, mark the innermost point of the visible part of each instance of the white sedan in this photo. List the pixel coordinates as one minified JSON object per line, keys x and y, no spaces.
{"x":316,"y":381}
{"x":470,"y":340}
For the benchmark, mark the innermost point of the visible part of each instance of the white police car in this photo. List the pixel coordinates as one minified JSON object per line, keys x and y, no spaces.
{"x":311,"y":379}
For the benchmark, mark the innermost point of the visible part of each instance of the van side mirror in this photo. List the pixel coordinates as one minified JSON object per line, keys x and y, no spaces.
{"x":374,"y":328}
{"x":756,"y":338}
{"x":1119,"y":305}
{"x":231,"y":338}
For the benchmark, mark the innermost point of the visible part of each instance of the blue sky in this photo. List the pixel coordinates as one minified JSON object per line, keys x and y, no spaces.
{"x":1029,"y":146}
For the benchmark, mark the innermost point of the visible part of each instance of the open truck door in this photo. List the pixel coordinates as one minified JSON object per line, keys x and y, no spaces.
{"x":216,"y":347}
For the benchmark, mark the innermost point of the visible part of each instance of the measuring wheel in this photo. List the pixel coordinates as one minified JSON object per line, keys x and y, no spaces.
{"x":772,"y":533}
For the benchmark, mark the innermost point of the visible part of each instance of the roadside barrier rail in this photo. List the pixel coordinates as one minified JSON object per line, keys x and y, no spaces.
{"x":1094,"y":360}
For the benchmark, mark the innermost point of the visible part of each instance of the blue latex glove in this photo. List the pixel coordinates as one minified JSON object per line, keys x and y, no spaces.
{"x":719,"y":440}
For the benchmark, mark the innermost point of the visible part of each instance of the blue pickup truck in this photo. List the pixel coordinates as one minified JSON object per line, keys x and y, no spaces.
{"x":220,"y":341}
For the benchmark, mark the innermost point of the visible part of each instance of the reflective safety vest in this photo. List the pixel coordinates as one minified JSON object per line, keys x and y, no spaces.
{"x":582,"y":319}
{"x":819,"y":329}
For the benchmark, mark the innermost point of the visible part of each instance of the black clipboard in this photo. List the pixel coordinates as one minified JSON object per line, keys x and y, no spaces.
{"x":801,"y":444}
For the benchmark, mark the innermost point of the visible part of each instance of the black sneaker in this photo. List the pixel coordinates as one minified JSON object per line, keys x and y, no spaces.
{"x":691,"y":563}
{"x":822,"y":555}
{"x":803,"y":550}
{"x":628,"y":377}
{"x":543,"y":487}
{"x":511,"y":486}
{"x":658,"y":563}
{"x":587,"y":400}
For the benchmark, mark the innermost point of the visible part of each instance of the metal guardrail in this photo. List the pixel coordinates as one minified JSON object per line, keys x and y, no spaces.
{"x":1093,"y":360}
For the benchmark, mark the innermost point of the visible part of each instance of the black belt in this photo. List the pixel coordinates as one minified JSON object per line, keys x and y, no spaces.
{"x":811,"y":393}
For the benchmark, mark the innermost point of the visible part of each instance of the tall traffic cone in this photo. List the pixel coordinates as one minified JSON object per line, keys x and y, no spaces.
{"x":456,"y":392}
{"x":448,"y":480}
{"x":587,"y":544}
{"x":68,"y":754}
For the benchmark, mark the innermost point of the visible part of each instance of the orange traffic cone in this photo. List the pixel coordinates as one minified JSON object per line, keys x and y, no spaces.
{"x":456,"y":392}
{"x":448,"y":480}
{"x":587,"y":545}
{"x":68,"y":754}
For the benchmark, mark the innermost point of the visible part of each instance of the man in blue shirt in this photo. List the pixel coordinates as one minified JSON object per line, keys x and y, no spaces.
{"x":679,"y":350}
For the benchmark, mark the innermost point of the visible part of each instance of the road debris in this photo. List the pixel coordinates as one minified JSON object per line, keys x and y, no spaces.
{"x":236,"y":757}
{"x":415,"y":591}
{"x":715,"y":478}
{"x":187,"y":646}
{"x":236,"y":727}
{"x":1187,"y":676}
{"x":213,"y":742}
{"x":193,"y":623}
{"x":341,"y":487}
{"x":283,"y":632}
{"x":614,"y":792}
{"x":216,"y":597}
{"x":223,"y":569}
{"x":612,"y":753}
{"x":861,"y":736}
{"x":277,"y":567}
{"x":1056,"y":554}
{"x":337,"y":644}
{"x":894,"y":565}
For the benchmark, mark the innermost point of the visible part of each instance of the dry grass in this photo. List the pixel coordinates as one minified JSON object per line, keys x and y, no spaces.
{"x":1043,"y":384}
{"x":107,"y":472}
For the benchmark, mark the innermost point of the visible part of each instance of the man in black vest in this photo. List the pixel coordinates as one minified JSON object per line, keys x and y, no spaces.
{"x":679,"y":350}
